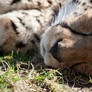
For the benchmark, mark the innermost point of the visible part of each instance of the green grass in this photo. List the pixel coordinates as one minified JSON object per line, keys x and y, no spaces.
{"x":26,"y":73}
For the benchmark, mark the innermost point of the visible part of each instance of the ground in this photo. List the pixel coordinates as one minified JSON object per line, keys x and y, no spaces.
{"x":25,"y":73}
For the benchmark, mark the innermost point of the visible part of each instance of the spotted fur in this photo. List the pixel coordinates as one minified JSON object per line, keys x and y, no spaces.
{"x":67,"y":42}
{"x":22,"y":29}
{"x":10,"y":5}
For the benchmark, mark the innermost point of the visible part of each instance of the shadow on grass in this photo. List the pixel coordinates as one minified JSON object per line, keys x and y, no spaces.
{"x":25,"y":62}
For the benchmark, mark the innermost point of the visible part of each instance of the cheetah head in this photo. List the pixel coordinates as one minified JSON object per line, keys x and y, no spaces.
{"x":61,"y":47}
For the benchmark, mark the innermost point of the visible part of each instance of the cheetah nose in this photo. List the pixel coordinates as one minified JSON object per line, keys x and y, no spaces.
{"x":54,"y":51}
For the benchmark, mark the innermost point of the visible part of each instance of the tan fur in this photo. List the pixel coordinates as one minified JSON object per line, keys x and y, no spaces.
{"x":8,"y":5}
{"x":28,"y":18}
{"x":32,"y":25}
{"x":73,"y":50}
{"x":81,"y":23}
{"x":7,"y":36}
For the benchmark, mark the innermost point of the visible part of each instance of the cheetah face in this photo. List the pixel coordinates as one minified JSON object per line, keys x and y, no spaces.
{"x":61,"y":47}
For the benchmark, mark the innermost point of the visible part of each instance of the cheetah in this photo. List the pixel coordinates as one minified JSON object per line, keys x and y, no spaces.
{"x":67,"y":42}
{"x":22,"y":29}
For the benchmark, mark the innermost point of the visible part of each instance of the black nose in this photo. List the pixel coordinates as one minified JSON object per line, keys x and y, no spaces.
{"x":54,"y":51}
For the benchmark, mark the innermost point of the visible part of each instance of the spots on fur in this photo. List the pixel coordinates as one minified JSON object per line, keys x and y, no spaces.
{"x":39,"y":4}
{"x":56,"y":9}
{"x":14,"y":27}
{"x":85,"y":9}
{"x":24,"y":13}
{"x":55,"y":14}
{"x":90,"y":1}
{"x":35,"y":40}
{"x":39,"y":21}
{"x":77,"y":1}
{"x":49,"y":2}
{"x":15,"y":1}
{"x":83,"y":3}
{"x":21,"y":21}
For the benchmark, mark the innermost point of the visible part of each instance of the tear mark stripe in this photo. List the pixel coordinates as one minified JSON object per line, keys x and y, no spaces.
{"x":21,"y":21}
{"x":14,"y":27}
